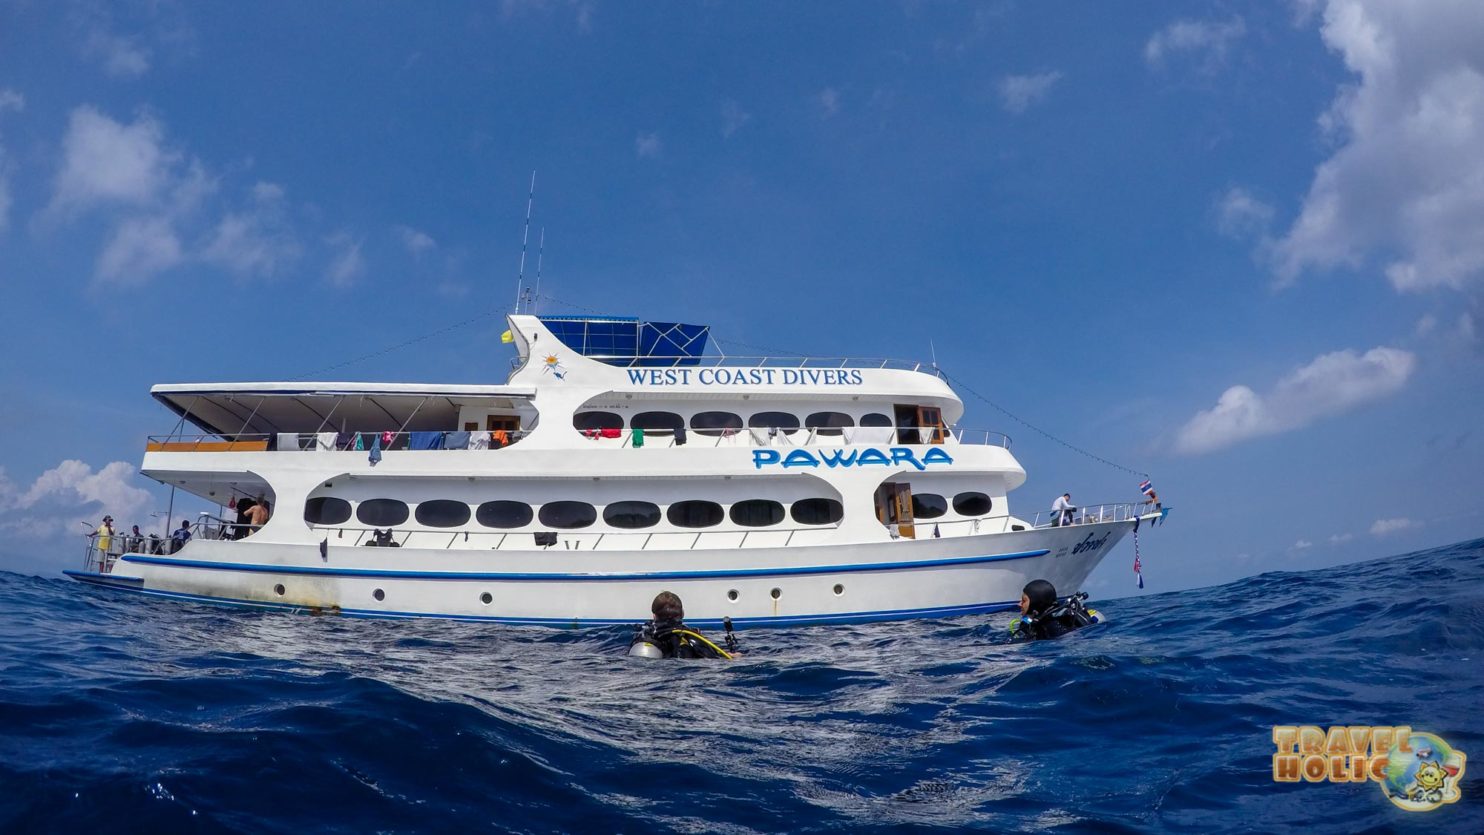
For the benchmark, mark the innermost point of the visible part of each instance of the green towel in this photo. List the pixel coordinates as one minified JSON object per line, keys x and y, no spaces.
{"x":638,"y":438}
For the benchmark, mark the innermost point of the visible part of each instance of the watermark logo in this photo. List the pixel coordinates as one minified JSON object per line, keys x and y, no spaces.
{"x":1417,"y":771}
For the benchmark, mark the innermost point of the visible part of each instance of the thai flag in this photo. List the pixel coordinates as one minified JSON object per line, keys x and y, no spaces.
{"x":1146,"y":487}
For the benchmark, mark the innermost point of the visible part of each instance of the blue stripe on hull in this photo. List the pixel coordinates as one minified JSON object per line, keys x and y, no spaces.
{"x":573,"y":623}
{"x":521,"y":576}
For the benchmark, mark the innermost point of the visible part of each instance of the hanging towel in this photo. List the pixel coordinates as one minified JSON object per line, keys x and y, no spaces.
{"x":288,"y":440}
{"x":325,"y":440}
{"x":456,"y":440}
{"x":680,"y":436}
{"x":610,"y":433}
{"x":847,"y":434}
{"x":344,"y":440}
{"x":375,"y":456}
{"x":479,"y":440}
{"x":501,"y":438}
{"x":360,"y":441}
{"x":760,"y":436}
{"x":426,"y":440}
{"x":387,"y":438}
{"x":638,"y":435}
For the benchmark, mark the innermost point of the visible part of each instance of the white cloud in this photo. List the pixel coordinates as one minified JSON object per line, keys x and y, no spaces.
{"x":9,"y":100}
{"x":108,"y":162}
{"x":1406,"y":183}
{"x":1240,"y":215}
{"x":347,"y":265}
{"x":1018,"y":92}
{"x":256,"y":240}
{"x":416,"y":241}
{"x":121,"y":56}
{"x":1383,"y":527}
{"x":1302,"y":544}
{"x":829,"y":101}
{"x":139,"y":249}
{"x":1207,"y":39}
{"x":69,"y":493}
{"x":732,"y":118}
{"x":1341,"y":538}
{"x":647,"y":145}
{"x":1330,"y":385}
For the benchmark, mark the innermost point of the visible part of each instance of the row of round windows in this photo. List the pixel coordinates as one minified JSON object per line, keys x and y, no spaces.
{"x":716,"y":423}
{"x":629,"y":515}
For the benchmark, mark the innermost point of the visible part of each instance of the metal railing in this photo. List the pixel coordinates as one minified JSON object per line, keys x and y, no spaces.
{"x":102,"y":560}
{"x":578,"y":539}
{"x":795,"y":436}
{"x":718,"y":360}
{"x":1092,"y":514}
{"x":332,"y":441}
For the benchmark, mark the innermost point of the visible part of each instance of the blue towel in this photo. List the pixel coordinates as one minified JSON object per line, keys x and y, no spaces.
{"x":426,"y":440}
{"x":375,"y":455}
{"x":456,"y":440}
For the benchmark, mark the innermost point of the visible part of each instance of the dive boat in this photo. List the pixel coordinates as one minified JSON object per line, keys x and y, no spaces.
{"x":619,"y":459}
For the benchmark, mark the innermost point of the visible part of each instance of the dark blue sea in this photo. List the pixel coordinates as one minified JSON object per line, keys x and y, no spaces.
{"x":120,"y":713}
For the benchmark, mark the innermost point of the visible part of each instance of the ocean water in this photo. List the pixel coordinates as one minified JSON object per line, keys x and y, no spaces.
{"x":121,"y":713}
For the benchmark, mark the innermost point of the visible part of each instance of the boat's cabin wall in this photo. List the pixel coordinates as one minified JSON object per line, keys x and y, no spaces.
{"x":724,"y":503}
{"x":523,"y":418}
{"x":898,"y":421}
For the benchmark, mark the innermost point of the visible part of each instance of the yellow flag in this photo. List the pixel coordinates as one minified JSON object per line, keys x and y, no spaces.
{"x":507,"y":336}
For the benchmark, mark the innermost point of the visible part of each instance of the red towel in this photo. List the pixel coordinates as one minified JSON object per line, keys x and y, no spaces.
{"x":611,"y":433}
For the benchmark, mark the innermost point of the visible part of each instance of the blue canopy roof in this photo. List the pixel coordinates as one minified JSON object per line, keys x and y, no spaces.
{"x":622,"y":340}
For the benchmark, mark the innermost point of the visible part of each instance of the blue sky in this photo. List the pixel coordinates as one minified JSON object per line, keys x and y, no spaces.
{"x":1234,"y":245}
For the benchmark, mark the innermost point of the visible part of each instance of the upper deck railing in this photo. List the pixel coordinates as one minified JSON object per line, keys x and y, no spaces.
{"x":715,"y":360}
{"x":364,"y":442}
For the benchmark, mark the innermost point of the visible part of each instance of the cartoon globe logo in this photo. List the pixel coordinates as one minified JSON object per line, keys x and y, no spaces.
{"x":1423,"y":774}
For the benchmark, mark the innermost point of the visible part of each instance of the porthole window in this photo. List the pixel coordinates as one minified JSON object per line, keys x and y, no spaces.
{"x":715,"y":423}
{"x":971,"y":504}
{"x":632,"y":514}
{"x":279,"y":589}
{"x":379,"y":595}
{"x":776,"y":593}
{"x":817,"y":511}
{"x":828,"y":423}
{"x":875,"y":419}
{"x":732,"y":595}
{"x":656,"y":421}
{"x":695,"y":513}
{"x":839,"y":589}
{"x":486,"y":598}
{"x":782,"y":421}
{"x":326,"y":510}
{"x":568,"y":514}
{"x":382,"y":513}
{"x":442,"y":513}
{"x":597,"y":420}
{"x":757,"y":513}
{"x":504,"y":514}
{"x":928,"y":505}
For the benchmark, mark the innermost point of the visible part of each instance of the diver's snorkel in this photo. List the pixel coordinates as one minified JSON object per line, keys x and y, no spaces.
{"x":731,"y":640}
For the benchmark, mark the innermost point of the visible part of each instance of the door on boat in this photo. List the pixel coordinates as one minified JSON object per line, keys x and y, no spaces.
{"x":906,"y":416}
{"x":930,"y":418}
{"x":894,"y":508}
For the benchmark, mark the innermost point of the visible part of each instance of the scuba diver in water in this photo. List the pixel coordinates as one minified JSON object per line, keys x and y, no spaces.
{"x":1041,"y":616}
{"x":667,"y":636}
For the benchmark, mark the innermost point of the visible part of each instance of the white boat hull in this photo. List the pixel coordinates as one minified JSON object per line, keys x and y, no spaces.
{"x":555,"y":587}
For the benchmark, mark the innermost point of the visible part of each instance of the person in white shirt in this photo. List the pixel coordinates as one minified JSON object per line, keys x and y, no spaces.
{"x":1062,"y":509}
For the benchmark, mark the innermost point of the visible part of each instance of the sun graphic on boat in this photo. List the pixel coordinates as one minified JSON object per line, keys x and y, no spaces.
{"x":553,"y":364}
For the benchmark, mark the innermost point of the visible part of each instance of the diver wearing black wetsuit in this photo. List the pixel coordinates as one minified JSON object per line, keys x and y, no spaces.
{"x":667,"y":636}
{"x":1041,"y":616}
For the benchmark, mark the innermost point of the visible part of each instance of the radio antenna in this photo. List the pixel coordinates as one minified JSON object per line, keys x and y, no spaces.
{"x":520,"y":278}
{"x":540,"y":252}
{"x":934,"y":351}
